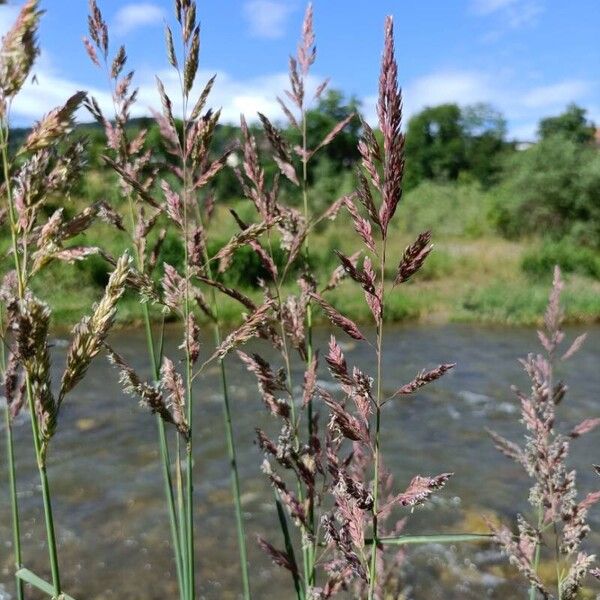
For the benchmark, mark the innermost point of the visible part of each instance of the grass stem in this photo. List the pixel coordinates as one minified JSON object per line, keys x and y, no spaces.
{"x":376,"y":450}
{"x":12,"y":479}
{"x":289,"y":548}
{"x":311,"y":550}
{"x":46,"y":498}
{"x":536,"y":558}
{"x":229,"y":433}
{"x":14,"y":504}
{"x":165,"y":460}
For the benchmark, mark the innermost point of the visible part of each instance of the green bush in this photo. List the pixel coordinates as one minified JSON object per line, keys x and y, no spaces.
{"x":246,"y":267}
{"x":447,"y":209}
{"x":552,"y":189}
{"x":330,"y":184}
{"x":95,"y":270}
{"x":172,"y":251}
{"x":571,"y":257}
{"x":439,"y":264}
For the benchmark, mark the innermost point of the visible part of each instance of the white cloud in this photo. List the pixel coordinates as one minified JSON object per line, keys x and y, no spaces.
{"x":234,"y":96}
{"x":267,"y":18}
{"x":462,"y":87}
{"x":556,"y":94}
{"x":486,"y":7}
{"x":507,"y":14}
{"x":522,"y":106}
{"x":46,"y":90}
{"x":136,"y":16}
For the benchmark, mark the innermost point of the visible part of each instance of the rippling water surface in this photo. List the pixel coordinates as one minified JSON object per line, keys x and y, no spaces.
{"x":107,"y":488}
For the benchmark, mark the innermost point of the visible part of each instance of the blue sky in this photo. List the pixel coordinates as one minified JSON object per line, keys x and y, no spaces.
{"x":529,"y":58}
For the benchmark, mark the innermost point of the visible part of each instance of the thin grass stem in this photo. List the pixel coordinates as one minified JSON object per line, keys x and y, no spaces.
{"x":182,"y":523}
{"x":165,"y":459}
{"x":229,"y":434}
{"x":46,"y":497}
{"x":288,"y":369}
{"x":376,"y":450}
{"x":311,"y":550}
{"x":14,"y":504}
{"x":12,"y":480}
{"x":536,"y":559}
{"x":188,"y":368}
{"x":289,"y":548}
{"x":48,"y":516}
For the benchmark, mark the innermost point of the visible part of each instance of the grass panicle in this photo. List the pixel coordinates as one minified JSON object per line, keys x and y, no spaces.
{"x":560,"y":518}
{"x":47,"y":164}
{"x":341,"y":513}
{"x":360,"y":506}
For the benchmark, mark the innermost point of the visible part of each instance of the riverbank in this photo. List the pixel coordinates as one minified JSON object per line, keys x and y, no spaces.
{"x":471,"y":281}
{"x":473,"y":274}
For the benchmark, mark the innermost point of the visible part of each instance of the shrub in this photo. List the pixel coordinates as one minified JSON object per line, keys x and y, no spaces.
{"x":172,"y":251}
{"x":552,"y":188}
{"x":451,"y":209}
{"x":95,"y":270}
{"x":572,"y":258}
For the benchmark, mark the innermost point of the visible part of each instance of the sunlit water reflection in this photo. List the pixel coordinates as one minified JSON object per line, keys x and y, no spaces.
{"x":107,"y":488}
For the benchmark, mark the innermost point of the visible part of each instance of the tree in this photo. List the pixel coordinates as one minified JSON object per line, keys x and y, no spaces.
{"x":446,"y":140}
{"x":571,"y":124}
{"x":435,"y":145}
{"x":552,"y":189}
{"x":329,"y":111}
{"x":485,"y":133}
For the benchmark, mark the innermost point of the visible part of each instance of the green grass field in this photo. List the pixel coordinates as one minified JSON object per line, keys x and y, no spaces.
{"x":472,"y":274}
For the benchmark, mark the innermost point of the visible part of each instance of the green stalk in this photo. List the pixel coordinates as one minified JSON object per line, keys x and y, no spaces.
{"x":165,"y":461}
{"x":14,"y":504}
{"x":182,"y":522}
{"x":372,"y":566}
{"x":536,"y":559}
{"x":289,"y":547}
{"x":288,"y":368}
{"x":229,"y":434}
{"x":191,"y":576}
{"x":190,"y":492}
{"x":162,"y":438}
{"x":12,"y":480}
{"x":48,"y":516}
{"x":311,"y":550}
{"x":235,"y":482}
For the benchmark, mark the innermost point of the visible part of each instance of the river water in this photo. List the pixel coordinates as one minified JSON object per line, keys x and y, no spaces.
{"x":107,"y":488}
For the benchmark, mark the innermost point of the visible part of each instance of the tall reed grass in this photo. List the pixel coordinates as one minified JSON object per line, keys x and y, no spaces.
{"x":46,"y":164}
{"x":339,"y":510}
{"x":174,"y":204}
{"x":560,"y":519}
